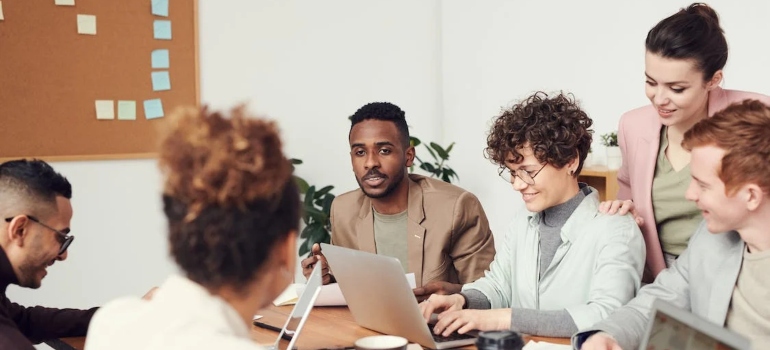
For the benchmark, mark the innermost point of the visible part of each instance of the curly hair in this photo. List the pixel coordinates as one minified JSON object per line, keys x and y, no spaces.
{"x":384,"y":111}
{"x":742,"y":130}
{"x":556,"y":130}
{"x":228,"y":194}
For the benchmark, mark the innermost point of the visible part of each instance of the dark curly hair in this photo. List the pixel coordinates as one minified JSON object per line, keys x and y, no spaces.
{"x":555,"y":128}
{"x":228,"y":195}
{"x":692,"y":33}
{"x":384,"y":111}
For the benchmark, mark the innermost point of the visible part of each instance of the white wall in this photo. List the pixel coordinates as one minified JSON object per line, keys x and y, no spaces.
{"x":497,"y":52}
{"x":450,"y":64}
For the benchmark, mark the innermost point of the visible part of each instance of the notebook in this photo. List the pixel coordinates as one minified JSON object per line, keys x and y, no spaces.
{"x":380,"y":298}
{"x":670,"y":327}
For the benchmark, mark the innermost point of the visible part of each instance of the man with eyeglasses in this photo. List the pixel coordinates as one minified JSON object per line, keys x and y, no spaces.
{"x":563,"y":266}
{"x":35,"y":205}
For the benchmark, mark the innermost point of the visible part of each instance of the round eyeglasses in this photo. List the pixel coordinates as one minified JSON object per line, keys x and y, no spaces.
{"x":527,"y":176}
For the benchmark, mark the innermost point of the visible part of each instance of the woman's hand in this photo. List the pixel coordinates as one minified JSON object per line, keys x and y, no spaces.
{"x":621,"y":207}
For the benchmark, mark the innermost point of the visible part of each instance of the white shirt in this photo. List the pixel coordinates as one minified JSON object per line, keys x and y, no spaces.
{"x":181,"y":315}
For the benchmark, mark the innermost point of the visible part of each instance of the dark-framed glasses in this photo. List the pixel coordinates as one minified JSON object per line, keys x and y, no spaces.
{"x":527,"y":176}
{"x":65,"y":239}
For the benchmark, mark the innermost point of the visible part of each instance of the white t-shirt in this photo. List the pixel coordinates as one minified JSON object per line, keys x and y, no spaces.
{"x":181,"y":315}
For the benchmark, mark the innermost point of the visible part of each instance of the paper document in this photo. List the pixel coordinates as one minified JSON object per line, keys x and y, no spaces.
{"x":533,"y":345}
{"x":330,"y":294}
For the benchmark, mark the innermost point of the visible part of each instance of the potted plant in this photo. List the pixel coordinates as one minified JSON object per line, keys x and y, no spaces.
{"x":610,"y":142}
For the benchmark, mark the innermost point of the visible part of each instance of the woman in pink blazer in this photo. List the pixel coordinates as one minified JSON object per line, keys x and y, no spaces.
{"x":685,"y":55}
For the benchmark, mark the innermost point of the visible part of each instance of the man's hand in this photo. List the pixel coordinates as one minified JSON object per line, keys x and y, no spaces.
{"x":316,"y":258}
{"x":464,"y":321}
{"x":149,"y":294}
{"x":436,"y":287}
{"x":600,"y":341}
{"x":440,"y":303}
{"x":621,"y":208}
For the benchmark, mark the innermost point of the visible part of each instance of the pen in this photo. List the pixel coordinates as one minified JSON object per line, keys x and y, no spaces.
{"x":272,"y":328}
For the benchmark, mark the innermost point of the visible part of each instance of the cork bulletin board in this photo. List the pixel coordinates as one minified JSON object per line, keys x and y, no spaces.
{"x":87,"y":79}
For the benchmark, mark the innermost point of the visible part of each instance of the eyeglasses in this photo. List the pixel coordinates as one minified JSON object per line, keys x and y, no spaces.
{"x":527,"y":176}
{"x":65,"y":239}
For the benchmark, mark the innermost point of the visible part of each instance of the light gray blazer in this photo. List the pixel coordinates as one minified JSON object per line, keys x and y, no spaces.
{"x":701,"y":280}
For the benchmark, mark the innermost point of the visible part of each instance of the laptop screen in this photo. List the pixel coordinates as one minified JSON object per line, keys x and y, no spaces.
{"x":674,"y":328}
{"x":302,"y":309}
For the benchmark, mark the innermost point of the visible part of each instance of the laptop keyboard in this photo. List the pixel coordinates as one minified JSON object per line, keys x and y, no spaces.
{"x":438,"y":338}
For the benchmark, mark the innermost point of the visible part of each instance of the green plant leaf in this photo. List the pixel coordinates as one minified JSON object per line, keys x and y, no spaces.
{"x":316,"y":215}
{"x":445,"y":177}
{"x":309,"y":196}
{"x":295,"y":161}
{"x":303,"y":250}
{"x":449,"y":149}
{"x":414,"y":142}
{"x":320,"y":193}
{"x":440,"y":150}
{"x":428,"y":167}
{"x":431,"y":152}
{"x":306,"y":232}
{"x":327,"y":204}
{"x":301,"y":184}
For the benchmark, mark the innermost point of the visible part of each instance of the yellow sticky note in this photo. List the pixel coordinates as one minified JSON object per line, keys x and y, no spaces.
{"x":1,"y":11}
{"x":126,"y":110}
{"x":64,"y":2}
{"x":105,"y":109}
{"x":87,"y":24}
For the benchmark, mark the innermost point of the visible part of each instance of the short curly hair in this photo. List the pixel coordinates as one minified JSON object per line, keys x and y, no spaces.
{"x":228,"y":194}
{"x":384,"y":111}
{"x":555,"y":128}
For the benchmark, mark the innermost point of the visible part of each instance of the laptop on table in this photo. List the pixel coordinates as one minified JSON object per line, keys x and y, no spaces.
{"x":301,"y":310}
{"x":670,"y":327}
{"x":379,"y":297}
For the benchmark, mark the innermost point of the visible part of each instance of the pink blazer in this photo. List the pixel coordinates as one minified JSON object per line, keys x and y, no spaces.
{"x":639,"y":140}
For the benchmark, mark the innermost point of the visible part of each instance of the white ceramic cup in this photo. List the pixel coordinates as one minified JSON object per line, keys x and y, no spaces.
{"x":381,"y":342}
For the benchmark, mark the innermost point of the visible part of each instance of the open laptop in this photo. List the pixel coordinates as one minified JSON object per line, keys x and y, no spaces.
{"x":379,"y":297}
{"x":670,"y":327}
{"x":301,"y":309}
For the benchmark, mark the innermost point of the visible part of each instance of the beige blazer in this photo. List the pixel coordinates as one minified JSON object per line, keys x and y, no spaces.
{"x":448,"y":234}
{"x":639,"y":141}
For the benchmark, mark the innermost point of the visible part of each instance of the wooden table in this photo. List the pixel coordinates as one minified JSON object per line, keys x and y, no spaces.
{"x":327,"y":327}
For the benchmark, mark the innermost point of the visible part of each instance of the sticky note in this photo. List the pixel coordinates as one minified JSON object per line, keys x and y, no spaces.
{"x":1,"y":11}
{"x":105,"y":109}
{"x":64,"y":2}
{"x":159,"y":58}
{"x":161,"y":81}
{"x":162,"y":29}
{"x":160,"y":7}
{"x":153,"y":109}
{"x":87,"y":24}
{"x":126,"y":110}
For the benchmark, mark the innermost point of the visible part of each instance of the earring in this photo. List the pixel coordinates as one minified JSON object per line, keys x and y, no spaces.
{"x":571,"y":173}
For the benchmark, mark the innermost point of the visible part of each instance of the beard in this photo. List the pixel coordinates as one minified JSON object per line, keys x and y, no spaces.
{"x":28,"y":272}
{"x":389,"y":189}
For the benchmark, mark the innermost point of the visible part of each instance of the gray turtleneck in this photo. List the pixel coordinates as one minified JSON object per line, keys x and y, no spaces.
{"x":555,"y":323}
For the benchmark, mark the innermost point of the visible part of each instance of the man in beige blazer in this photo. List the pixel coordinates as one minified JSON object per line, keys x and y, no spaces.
{"x":438,"y":231}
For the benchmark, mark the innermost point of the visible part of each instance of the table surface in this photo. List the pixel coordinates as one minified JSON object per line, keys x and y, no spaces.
{"x":327,"y":327}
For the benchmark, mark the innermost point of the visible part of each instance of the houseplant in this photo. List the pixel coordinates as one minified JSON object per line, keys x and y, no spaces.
{"x":610,"y":142}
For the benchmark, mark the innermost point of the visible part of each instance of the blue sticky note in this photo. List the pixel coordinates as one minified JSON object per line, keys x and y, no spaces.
{"x":162,"y":29}
{"x":160,"y":7}
{"x":160,"y":59}
{"x":161,"y":81}
{"x":153,"y":109}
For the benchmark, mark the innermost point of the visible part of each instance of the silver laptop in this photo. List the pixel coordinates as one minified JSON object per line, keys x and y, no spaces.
{"x":670,"y":327}
{"x":301,"y":310}
{"x":379,"y":297}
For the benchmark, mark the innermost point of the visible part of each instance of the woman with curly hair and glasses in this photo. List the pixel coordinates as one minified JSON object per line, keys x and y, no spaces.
{"x":233,"y":215}
{"x":562,"y":266}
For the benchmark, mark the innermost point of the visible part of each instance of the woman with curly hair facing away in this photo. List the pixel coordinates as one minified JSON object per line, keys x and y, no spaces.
{"x":562,"y":266}
{"x":233,"y":215}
